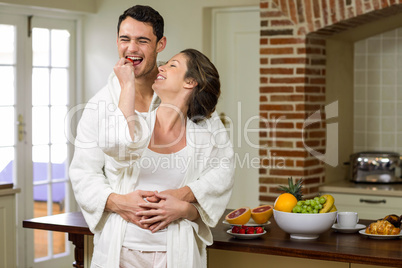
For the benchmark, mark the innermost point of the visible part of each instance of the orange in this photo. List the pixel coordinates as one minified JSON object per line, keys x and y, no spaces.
{"x":239,"y":216}
{"x":285,"y":202}
{"x":262,"y":213}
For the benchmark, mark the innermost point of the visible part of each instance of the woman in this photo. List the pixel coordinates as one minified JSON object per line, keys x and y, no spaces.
{"x":188,"y":86}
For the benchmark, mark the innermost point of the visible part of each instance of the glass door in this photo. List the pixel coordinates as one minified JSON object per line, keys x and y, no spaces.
{"x":51,"y":70}
{"x":37,"y":74}
{"x":8,"y":142}
{"x":13,"y":166}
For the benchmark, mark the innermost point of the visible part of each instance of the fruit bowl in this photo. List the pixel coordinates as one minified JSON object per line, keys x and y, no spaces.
{"x":304,"y":226}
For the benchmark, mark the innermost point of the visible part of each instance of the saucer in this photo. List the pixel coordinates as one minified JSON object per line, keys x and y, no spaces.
{"x":245,"y":236}
{"x":348,"y":230}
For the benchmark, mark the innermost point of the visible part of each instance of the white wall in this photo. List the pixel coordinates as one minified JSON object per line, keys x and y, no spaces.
{"x":69,"y":5}
{"x":183,"y":29}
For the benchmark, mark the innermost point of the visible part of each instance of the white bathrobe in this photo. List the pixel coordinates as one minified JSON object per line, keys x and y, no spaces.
{"x":103,"y":164}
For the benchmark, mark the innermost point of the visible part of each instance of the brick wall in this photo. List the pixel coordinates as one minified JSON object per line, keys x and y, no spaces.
{"x":292,"y":83}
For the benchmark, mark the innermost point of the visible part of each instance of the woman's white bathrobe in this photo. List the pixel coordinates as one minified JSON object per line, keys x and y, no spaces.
{"x":104,"y":163}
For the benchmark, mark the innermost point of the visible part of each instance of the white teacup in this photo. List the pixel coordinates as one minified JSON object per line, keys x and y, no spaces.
{"x":347,"y":219}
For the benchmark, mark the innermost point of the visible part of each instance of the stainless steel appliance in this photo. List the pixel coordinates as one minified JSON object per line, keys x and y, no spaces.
{"x":375,"y":167}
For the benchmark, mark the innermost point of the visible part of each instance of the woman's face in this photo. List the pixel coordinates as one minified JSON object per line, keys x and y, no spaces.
{"x":170,"y":80}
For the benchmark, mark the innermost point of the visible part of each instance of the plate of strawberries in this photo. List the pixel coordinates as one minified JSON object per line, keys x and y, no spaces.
{"x":246,"y":232}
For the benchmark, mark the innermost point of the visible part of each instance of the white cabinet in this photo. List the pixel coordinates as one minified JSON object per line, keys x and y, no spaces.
{"x":218,"y":258}
{"x":370,"y":207}
{"x":224,"y":258}
{"x":88,"y":250}
{"x":8,"y":228}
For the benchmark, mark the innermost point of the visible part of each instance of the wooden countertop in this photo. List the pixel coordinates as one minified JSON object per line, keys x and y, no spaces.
{"x":348,"y":187}
{"x":72,"y":222}
{"x":330,"y":246}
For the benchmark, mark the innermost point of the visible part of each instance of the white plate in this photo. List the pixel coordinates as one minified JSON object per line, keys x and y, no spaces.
{"x":348,"y":230}
{"x":250,"y":223}
{"x":245,"y":236}
{"x":375,"y":236}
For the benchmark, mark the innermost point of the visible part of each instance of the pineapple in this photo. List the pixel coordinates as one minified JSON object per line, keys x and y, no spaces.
{"x":294,"y":189}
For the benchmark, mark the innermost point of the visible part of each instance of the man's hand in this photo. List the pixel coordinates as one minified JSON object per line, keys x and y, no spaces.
{"x":127,"y":205}
{"x":160,"y":215}
{"x":183,"y":194}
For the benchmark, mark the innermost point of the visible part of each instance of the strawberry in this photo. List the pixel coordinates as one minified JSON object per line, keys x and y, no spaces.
{"x":250,"y":230}
{"x":242,"y":231}
{"x":236,"y":229}
{"x":130,"y":60}
{"x":259,"y":230}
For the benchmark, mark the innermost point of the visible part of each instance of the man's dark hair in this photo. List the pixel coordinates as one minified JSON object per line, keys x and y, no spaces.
{"x":147,"y":15}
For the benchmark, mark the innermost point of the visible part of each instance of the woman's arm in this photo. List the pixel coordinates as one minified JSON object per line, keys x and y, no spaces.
{"x":124,"y":134}
{"x":124,"y":71}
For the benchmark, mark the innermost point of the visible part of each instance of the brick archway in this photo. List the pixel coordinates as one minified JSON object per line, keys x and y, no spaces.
{"x":293,"y":83}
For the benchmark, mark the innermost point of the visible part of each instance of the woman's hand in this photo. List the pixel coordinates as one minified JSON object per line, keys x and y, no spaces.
{"x":124,"y":71}
{"x":160,"y":215}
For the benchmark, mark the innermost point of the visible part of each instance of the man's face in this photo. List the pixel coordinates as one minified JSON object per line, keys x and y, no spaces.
{"x":137,"y":41}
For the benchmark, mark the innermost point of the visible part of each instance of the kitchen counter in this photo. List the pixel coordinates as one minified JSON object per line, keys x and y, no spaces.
{"x":330,"y":246}
{"x":346,"y":187}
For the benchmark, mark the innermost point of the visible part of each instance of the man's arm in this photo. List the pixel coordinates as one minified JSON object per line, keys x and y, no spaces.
{"x":89,"y":183}
{"x":91,"y":187}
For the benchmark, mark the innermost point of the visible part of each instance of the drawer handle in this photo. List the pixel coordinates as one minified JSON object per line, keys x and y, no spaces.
{"x":370,"y":201}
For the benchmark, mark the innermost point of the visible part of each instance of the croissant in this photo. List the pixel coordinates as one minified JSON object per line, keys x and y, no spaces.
{"x":382,"y":227}
{"x":394,"y":219}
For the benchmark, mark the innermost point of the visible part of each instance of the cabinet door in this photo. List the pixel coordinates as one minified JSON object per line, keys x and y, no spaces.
{"x":88,"y":250}
{"x":7,"y":231}
{"x":355,"y":265}
{"x":370,"y":207}
{"x":224,"y":258}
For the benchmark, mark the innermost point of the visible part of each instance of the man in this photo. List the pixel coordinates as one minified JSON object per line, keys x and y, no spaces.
{"x":140,"y":39}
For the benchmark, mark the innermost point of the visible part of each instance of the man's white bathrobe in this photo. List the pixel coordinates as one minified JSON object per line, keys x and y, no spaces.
{"x":104,"y":163}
